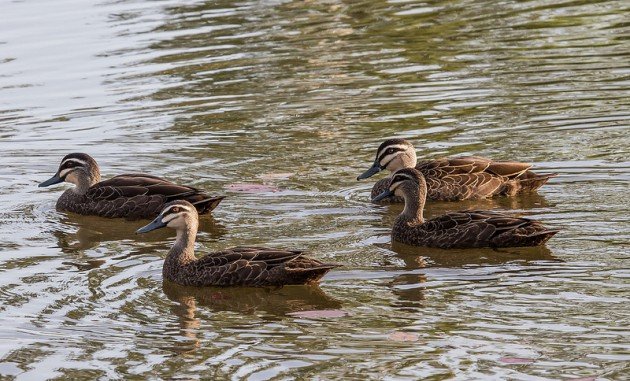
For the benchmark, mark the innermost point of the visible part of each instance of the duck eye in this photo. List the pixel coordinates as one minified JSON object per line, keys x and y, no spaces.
{"x":390,"y":150}
{"x":400,"y":178}
{"x":71,"y":164}
{"x":175,"y":210}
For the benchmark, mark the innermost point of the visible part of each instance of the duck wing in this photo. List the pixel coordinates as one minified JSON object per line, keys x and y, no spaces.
{"x":134,"y":179}
{"x":254,"y":266}
{"x":483,"y":228}
{"x":462,"y":186}
{"x":510,"y":169}
{"x":130,"y":185}
{"x":461,"y":178}
{"x":137,"y":196}
{"x":445,"y":166}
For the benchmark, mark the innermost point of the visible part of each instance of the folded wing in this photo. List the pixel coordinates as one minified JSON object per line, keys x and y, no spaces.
{"x":136,"y":196}
{"x":255,"y":266}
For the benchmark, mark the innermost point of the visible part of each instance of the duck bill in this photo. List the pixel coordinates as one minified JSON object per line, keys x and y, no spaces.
{"x":383,"y":195}
{"x":376,"y":168}
{"x":153,"y":225}
{"x":53,"y":180}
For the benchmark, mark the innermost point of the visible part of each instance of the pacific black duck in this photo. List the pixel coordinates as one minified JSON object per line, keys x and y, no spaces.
{"x":238,"y":266}
{"x":132,"y":196}
{"x":455,"y":178}
{"x":465,"y":229}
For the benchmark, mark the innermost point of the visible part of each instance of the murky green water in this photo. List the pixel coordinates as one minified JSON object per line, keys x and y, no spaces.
{"x":296,"y":96}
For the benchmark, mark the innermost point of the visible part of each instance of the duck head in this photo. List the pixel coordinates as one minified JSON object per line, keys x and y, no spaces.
{"x":406,"y":183}
{"x":179,"y":215}
{"x":79,"y":169}
{"x":392,"y":154}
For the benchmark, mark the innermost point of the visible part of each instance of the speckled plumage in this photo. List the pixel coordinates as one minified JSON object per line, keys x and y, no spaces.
{"x":464,"y":229}
{"x":245,"y":266}
{"x":461,"y":178}
{"x":238,"y":266}
{"x":131,"y":196}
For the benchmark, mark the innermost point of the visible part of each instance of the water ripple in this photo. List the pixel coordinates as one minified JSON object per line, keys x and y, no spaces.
{"x":280,"y":105}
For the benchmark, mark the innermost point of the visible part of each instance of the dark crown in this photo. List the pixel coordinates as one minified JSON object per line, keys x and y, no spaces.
{"x":177,"y":203}
{"x":390,"y":142}
{"x":406,"y":174}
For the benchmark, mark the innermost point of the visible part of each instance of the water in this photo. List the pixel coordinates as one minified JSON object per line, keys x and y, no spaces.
{"x":296,"y":96}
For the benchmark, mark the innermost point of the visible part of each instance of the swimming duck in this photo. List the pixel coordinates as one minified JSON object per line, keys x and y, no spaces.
{"x":238,"y":266}
{"x":465,"y":229}
{"x":455,"y":178}
{"x":132,"y":196}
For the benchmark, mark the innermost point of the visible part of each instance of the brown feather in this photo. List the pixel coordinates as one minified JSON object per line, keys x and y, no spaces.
{"x":248,"y":266}
{"x":133,"y":196}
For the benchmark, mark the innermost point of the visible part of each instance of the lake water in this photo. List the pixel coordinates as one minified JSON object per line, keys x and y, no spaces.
{"x":279,"y":105}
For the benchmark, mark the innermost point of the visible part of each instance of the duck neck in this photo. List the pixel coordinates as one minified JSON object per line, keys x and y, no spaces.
{"x":183,"y":250}
{"x":414,"y":204}
{"x":83,"y":181}
{"x":82,"y":185}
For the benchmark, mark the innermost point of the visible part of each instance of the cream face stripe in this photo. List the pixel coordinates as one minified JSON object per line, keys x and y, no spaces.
{"x":168,"y":216}
{"x":398,"y":149}
{"x":84,"y":163}
{"x":65,"y":171}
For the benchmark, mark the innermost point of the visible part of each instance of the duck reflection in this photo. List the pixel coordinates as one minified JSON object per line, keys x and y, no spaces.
{"x":410,"y":290}
{"x":275,"y":302}
{"x":409,"y":287}
{"x":416,"y":257}
{"x":188,"y":324}
{"x":92,"y":231}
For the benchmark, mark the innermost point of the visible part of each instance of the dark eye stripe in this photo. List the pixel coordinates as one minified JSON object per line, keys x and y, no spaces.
{"x":171,"y":210}
{"x":404,"y":177}
{"x":386,"y":152}
{"x":168,"y":213}
{"x":401,"y":177}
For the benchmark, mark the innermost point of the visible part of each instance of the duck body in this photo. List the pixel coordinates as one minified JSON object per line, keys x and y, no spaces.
{"x":130,"y":196}
{"x":464,"y":229}
{"x":238,"y":266}
{"x":471,"y":229}
{"x":246,"y":266}
{"x":456,"y":178}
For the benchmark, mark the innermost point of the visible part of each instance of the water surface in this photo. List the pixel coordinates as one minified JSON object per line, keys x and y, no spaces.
{"x":296,"y":96}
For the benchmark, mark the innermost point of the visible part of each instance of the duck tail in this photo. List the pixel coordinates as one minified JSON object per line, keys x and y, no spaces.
{"x":540,"y":238}
{"x":207,"y":204}
{"x":315,"y":274}
{"x":528,"y":182}
{"x":531,"y":181}
{"x":310,"y":274}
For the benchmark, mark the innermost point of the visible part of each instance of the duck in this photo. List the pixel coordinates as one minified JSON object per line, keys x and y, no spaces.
{"x":132,"y":196}
{"x":237,"y":266}
{"x":456,"y":230}
{"x":455,"y":178}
